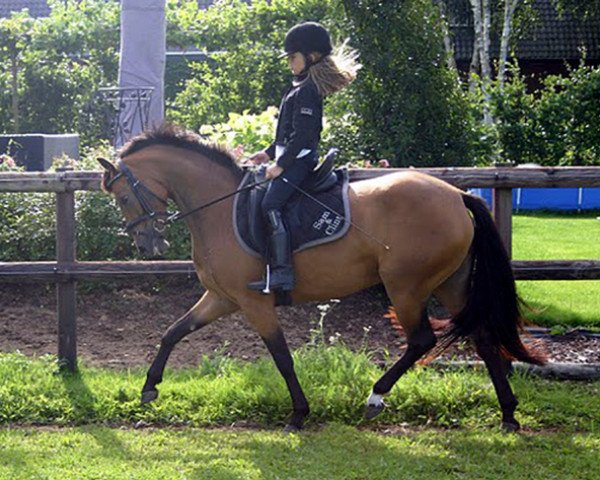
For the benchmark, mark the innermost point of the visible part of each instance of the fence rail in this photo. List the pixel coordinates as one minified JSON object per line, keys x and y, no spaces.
{"x":66,"y":271}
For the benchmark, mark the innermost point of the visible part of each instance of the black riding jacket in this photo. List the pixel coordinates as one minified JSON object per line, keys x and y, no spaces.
{"x":300,"y":122}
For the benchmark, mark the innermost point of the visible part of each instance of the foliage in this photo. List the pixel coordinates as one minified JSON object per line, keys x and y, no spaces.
{"x":63,"y":60}
{"x":409,"y":105}
{"x":557,"y":125}
{"x":588,"y":9}
{"x":27,"y":227}
{"x":15,"y":35}
{"x":254,"y":132}
{"x":244,"y":72}
{"x":406,"y":105}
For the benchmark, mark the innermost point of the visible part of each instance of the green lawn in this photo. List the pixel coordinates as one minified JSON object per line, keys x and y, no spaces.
{"x":551,"y":236}
{"x":333,"y":452}
{"x":336,"y":382}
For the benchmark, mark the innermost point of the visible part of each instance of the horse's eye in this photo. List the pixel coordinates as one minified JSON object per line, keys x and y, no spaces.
{"x":124,"y":199}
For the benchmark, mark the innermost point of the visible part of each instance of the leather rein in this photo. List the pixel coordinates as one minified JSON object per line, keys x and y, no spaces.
{"x":161,"y":218}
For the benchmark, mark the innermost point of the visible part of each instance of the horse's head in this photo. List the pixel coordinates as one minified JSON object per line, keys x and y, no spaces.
{"x":144,"y":210}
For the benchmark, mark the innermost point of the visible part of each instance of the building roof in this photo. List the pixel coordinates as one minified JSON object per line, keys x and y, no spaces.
{"x":40,"y":8}
{"x":37,"y":8}
{"x":551,"y":37}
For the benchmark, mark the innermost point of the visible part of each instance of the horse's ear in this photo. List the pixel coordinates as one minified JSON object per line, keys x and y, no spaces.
{"x":108,"y":166}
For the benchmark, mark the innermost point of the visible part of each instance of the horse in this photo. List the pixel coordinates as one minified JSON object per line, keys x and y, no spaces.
{"x":426,"y":238}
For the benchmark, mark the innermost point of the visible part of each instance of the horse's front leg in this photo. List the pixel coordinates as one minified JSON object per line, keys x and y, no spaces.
{"x":267,"y":326}
{"x":209,"y":308}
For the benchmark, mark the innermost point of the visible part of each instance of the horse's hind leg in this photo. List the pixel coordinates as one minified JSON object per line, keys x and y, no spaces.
{"x":452,"y":294}
{"x":420,"y":338}
{"x":209,"y":308}
{"x":498,"y":370}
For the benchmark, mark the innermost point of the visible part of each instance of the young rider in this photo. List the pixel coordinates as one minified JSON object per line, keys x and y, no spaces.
{"x":317,"y":73}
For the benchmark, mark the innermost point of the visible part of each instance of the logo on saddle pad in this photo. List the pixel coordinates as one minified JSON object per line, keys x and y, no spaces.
{"x":331,"y":224}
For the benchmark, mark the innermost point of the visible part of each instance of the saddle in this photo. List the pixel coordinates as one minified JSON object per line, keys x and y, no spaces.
{"x":310,"y":221}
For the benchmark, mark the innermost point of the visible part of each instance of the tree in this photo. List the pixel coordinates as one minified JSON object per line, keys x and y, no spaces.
{"x":409,"y":106}
{"x":510,"y":6}
{"x":61,"y":61}
{"x":15,"y":37}
{"x":242,"y":40}
{"x":582,"y":9}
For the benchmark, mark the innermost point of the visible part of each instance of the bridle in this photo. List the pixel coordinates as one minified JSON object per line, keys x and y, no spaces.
{"x":159,"y":218}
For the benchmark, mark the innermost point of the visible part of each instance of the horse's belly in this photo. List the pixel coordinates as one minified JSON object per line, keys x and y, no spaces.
{"x":333,"y":276}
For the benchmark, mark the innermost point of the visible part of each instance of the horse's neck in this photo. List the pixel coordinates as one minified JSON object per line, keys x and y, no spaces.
{"x":195,"y":186}
{"x":194,"y":182}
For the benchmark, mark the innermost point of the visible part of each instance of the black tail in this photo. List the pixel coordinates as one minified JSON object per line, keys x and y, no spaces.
{"x":492,"y":303}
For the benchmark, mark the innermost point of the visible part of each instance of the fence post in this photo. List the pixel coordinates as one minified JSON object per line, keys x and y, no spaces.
{"x":502,"y":209}
{"x":65,"y":289}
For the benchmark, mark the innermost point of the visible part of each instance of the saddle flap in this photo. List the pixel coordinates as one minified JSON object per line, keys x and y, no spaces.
{"x":311,"y":220}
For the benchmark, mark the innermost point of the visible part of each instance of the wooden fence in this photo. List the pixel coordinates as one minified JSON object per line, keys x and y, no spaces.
{"x":66,"y":270}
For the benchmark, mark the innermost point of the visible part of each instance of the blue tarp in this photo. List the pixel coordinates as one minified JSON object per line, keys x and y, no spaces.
{"x":549,"y":198}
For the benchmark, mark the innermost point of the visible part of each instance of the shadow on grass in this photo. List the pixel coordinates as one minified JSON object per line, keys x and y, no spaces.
{"x":548,"y":315}
{"x":342,"y":452}
{"x":84,"y":404}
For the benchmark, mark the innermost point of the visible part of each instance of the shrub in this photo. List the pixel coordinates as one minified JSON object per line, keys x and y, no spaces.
{"x":557,"y":125}
{"x":244,"y":73}
{"x":410,"y":107}
{"x":62,"y":61}
{"x":254,"y":132}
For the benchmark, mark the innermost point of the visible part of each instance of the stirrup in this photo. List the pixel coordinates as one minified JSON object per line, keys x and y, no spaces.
{"x":273,"y":281}
{"x":262,"y":286}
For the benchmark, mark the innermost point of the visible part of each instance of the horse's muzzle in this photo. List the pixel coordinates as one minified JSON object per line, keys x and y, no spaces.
{"x":151,"y":246}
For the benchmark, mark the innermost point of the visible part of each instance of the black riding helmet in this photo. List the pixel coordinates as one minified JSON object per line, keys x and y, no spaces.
{"x":306,"y":38}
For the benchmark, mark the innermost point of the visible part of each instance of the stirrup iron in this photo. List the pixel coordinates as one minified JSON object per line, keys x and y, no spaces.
{"x":267,"y":289}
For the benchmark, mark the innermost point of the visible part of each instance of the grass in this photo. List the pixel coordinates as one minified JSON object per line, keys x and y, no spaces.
{"x":337,"y":381}
{"x":334,"y":452}
{"x":563,"y":236}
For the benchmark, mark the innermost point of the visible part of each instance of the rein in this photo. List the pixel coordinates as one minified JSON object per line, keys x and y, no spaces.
{"x":178,"y":215}
{"x":159,"y":224}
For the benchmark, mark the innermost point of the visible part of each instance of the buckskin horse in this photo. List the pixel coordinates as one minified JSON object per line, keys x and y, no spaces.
{"x":432,"y":239}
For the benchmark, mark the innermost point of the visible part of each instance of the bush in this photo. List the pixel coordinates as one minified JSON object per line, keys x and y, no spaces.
{"x":62,"y":60}
{"x":28,"y":226}
{"x":558,"y":125}
{"x":254,"y":132}
{"x":409,"y":105}
{"x":244,"y":73}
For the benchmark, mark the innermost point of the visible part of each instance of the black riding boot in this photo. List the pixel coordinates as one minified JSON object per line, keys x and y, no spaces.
{"x":280,"y":273}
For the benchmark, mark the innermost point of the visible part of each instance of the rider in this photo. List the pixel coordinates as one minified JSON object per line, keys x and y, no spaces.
{"x":317,"y":73}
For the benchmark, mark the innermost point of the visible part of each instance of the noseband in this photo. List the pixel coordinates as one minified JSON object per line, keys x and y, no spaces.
{"x":141,"y":193}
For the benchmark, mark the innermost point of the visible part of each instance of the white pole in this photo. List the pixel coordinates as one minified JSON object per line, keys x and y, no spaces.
{"x":142,"y":62}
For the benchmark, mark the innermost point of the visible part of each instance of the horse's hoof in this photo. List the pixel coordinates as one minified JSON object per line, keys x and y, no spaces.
{"x":290,"y":428}
{"x":149,"y":396}
{"x":511,"y":426}
{"x":373,"y":410}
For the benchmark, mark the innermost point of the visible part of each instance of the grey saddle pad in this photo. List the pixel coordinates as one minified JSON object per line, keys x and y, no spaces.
{"x":309,"y":222}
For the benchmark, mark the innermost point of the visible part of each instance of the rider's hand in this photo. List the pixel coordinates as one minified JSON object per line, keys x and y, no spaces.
{"x":259,"y":158}
{"x":273,"y":171}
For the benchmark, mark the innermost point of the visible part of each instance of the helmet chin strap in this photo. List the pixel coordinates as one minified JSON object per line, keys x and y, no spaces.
{"x":302,"y":75}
